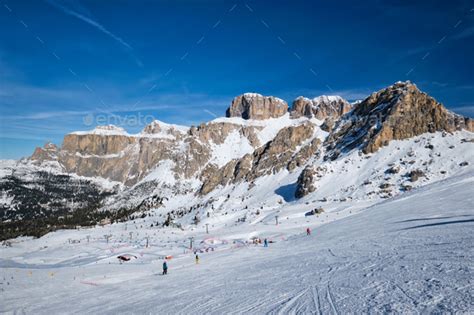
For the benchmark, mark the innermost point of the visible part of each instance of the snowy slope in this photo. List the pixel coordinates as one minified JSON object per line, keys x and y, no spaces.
{"x":107,"y":130}
{"x":408,"y":254}
{"x":345,"y":185}
{"x":269,"y":127}
{"x":233,"y":147}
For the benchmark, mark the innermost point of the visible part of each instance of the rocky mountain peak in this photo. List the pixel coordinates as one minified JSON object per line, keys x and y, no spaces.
{"x":153,"y":127}
{"x":386,"y":98}
{"x":403,"y":84}
{"x":49,"y":146}
{"x":400,"y":111}
{"x":328,"y":99}
{"x":257,"y":106}
{"x":159,"y":128}
{"x":321,"y":107}
{"x":47,"y":153}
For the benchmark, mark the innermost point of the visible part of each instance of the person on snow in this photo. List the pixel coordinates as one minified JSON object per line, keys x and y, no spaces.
{"x":308,"y":231}
{"x":165,"y":268}
{"x":265,"y":243}
{"x":197,"y":259}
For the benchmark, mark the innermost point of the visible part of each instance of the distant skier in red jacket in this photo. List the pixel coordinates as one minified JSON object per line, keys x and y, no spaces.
{"x":308,"y":231}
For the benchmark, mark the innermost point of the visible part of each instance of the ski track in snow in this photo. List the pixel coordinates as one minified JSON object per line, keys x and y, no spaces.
{"x":316,"y":300}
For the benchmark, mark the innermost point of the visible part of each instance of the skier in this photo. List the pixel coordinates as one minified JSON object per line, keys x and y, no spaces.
{"x":308,"y":231}
{"x":197,"y":259}
{"x":265,"y":243}
{"x":165,"y":268}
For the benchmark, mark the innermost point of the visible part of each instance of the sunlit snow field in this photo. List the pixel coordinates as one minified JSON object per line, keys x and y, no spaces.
{"x":410,"y":254}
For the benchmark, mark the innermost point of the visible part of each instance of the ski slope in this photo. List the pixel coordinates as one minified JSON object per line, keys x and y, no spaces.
{"x":409,"y":254}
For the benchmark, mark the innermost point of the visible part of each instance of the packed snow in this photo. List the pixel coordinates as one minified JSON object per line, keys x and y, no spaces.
{"x":164,"y":130}
{"x":256,"y":95}
{"x":268,"y":127}
{"x":327,"y":99}
{"x":107,"y":130}
{"x":162,"y":173}
{"x":410,"y":254}
{"x":234,"y":146}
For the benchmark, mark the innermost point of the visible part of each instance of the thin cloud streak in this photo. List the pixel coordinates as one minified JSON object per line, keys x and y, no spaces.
{"x":30,"y":100}
{"x":466,"y":33}
{"x":22,"y":137}
{"x":96,"y":25}
{"x":467,"y":110}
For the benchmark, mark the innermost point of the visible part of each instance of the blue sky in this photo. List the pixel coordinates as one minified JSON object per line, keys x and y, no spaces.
{"x":67,"y":65}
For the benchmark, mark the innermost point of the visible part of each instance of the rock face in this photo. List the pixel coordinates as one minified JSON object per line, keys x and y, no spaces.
{"x":415,"y":175}
{"x":305,"y":183}
{"x":218,"y":132}
{"x":48,"y":152}
{"x":112,"y":153}
{"x":94,"y":154}
{"x":228,"y":151}
{"x":256,"y":106}
{"x":282,"y":152}
{"x":398,"y":112}
{"x":321,"y":107}
{"x":93,"y":144}
{"x":163,"y":130}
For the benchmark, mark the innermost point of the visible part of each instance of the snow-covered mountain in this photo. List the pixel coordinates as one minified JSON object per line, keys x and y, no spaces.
{"x":323,"y":152}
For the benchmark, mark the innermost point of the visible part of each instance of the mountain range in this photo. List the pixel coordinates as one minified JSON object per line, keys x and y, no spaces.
{"x":320,"y":153}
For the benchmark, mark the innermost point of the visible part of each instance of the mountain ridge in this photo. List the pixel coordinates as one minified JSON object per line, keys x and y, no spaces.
{"x":306,"y":146}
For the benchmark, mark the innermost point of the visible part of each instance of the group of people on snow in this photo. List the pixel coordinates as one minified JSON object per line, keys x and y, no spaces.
{"x":255,"y":241}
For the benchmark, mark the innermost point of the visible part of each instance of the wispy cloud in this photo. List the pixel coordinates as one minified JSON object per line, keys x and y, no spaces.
{"x":46,"y":115}
{"x":467,"y":32}
{"x":210,"y":113}
{"x":50,"y":112}
{"x":40,"y":140}
{"x":83,"y":16}
{"x":439,"y":84}
{"x":465,"y":110}
{"x":420,"y":50}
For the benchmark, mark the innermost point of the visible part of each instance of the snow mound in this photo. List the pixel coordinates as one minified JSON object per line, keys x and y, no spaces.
{"x":107,"y":130}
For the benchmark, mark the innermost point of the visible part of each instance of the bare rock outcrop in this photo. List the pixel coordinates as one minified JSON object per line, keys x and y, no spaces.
{"x":321,"y":107}
{"x":164,"y":130}
{"x":415,"y":175}
{"x":104,"y":152}
{"x":305,"y":184}
{"x":282,"y":152}
{"x":110,"y":152}
{"x":129,"y":158}
{"x":256,"y":106}
{"x":49,"y":152}
{"x":398,"y":112}
{"x":217,"y":132}
{"x":93,"y":144}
